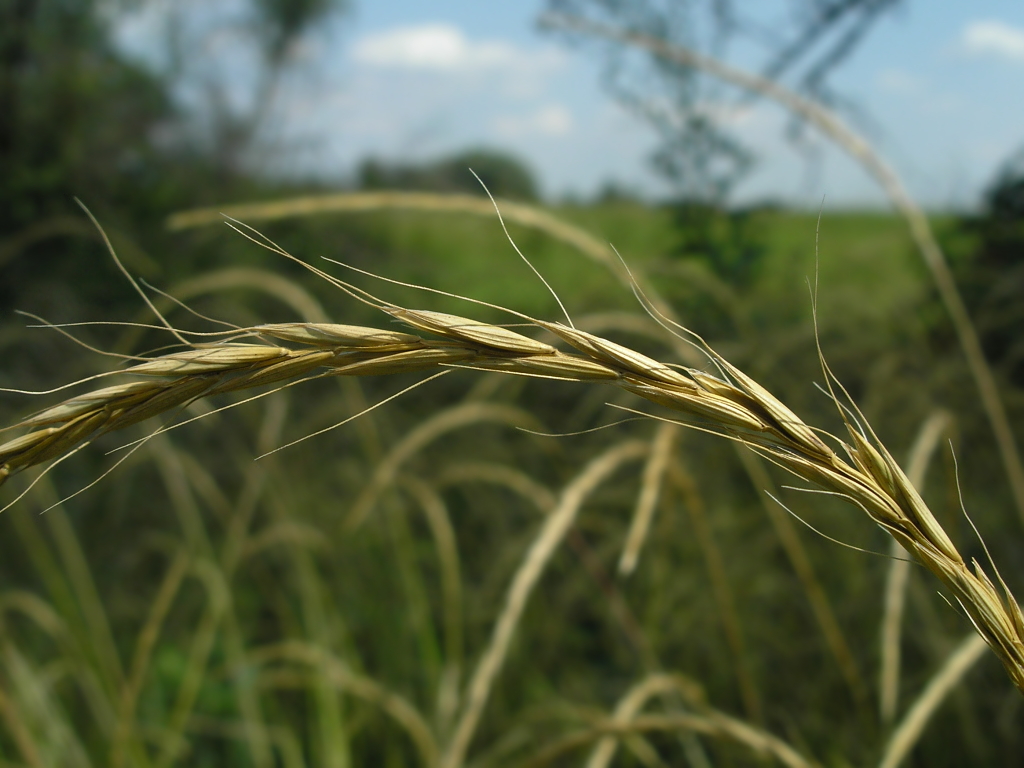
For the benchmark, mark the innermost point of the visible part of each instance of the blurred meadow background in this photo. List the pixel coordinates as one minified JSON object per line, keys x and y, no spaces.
{"x":336,"y":602}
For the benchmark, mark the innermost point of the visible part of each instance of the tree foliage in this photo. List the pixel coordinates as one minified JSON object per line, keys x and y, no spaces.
{"x":81,"y":118}
{"x":804,"y":44}
{"x":282,"y":22}
{"x":502,"y":174}
{"x":993,"y":275}
{"x":75,"y":115}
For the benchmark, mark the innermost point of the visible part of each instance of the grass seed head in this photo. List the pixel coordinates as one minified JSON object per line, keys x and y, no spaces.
{"x":338,"y":336}
{"x":743,"y":410}
{"x":208,"y":360}
{"x":619,"y":356}
{"x":455,"y":327}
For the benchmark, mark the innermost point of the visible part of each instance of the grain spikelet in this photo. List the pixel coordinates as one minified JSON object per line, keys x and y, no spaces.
{"x":742,"y":410}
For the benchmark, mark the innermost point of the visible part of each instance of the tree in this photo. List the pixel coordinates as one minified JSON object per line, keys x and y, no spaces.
{"x":993,"y":277}
{"x":81,"y":117}
{"x":279,"y":25}
{"x":75,"y":115}
{"x":698,"y":153}
{"x":502,"y":174}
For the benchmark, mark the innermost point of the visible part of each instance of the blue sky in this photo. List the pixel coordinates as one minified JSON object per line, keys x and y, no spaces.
{"x":942,"y":85}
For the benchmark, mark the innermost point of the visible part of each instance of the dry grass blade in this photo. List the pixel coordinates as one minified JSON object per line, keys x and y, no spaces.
{"x":524,"y":215}
{"x":899,"y":571}
{"x":439,"y":521}
{"x":338,"y":674}
{"x":634,"y":701}
{"x":39,"y":710}
{"x":269,"y":283}
{"x":423,"y":435}
{"x":718,"y":576}
{"x":650,"y":490}
{"x":800,"y":559}
{"x":141,"y":659}
{"x":555,"y":526}
{"x":24,"y":742}
{"x":909,"y":731}
{"x":503,"y":475}
{"x":712,"y":723}
{"x":518,"y":213}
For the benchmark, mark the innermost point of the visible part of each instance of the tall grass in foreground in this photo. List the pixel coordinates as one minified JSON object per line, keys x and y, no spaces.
{"x":857,"y":468}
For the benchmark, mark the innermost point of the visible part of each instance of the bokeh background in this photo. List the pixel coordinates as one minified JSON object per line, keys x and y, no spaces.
{"x":197,"y":607}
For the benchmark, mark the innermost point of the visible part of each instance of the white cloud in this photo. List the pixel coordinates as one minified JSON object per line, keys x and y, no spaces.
{"x":994,"y":37}
{"x":431,"y":47}
{"x":552,"y":120}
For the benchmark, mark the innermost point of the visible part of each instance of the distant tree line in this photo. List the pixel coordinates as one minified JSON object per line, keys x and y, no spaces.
{"x":501,"y":173}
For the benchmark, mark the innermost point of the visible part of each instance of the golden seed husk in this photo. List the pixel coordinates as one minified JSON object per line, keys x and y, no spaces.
{"x":474,"y":331}
{"x":208,"y":360}
{"x":338,"y":336}
{"x":619,"y":356}
{"x":558,"y":365}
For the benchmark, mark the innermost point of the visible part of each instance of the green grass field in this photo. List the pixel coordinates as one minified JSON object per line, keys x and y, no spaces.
{"x":201,"y":608}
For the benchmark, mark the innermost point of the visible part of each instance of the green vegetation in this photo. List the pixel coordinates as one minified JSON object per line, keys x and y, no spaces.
{"x":502,"y":174}
{"x":311,"y":617}
{"x":329,"y":604}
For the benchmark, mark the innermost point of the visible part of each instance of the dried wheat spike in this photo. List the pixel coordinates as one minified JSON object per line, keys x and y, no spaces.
{"x":734,"y":406}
